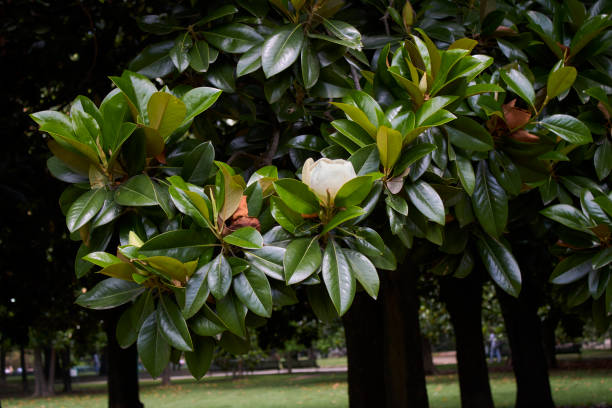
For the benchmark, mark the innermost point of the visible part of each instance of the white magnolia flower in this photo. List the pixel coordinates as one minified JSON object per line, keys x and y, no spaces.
{"x":327,"y":176}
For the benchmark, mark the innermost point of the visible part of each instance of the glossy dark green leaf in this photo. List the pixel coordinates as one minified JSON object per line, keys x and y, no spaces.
{"x":233,"y":38}
{"x":199,"y":360}
{"x":137,"y":191}
{"x":468,"y":134}
{"x":222,"y":76}
{"x":520,"y":85}
{"x":268,"y":260}
{"x":568,"y":128}
{"x":572,"y":268}
{"x":603,"y":258}
{"x":353,"y":192}
{"x":196,"y":290}
{"x":341,"y":217}
{"x":109,"y":293}
{"x":339,"y":280}
{"x":344,"y":32}
{"x":183,"y":245}
{"x":198,"y":100}
{"x":310,"y":65}
{"x":250,"y":61}
{"x":364,"y":271}
{"x":353,"y":131}
{"x":588,"y":31}
{"x":219,"y":277}
{"x":427,"y":201}
{"x":131,"y":320}
{"x":321,"y":304}
{"x":490,"y":202}
{"x":465,"y":171}
{"x":247,"y":237}
{"x":84,"y":208}
{"x":153,"y":350}
{"x":232,"y":312}
{"x":603,"y":159}
{"x":206,"y":322}
{"x":179,"y":53}
{"x":199,"y":56}
{"x":302,"y":259}
{"x":282,"y":49}
{"x":297,"y":196}
{"x":500,"y":264}
{"x":411,"y":155}
{"x":397,"y":203}
{"x":253,"y":290}
{"x":172,"y":324}
{"x":567,"y":215}
{"x":560,"y":81}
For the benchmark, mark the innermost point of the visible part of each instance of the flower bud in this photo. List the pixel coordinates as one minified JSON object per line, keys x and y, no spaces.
{"x":325,"y":176}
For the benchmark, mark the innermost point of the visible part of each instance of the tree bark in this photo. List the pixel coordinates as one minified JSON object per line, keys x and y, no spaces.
{"x":66,"y":378}
{"x":51,"y":372}
{"x":385,"y":354}
{"x":165,"y":377}
{"x":549,"y":340}
{"x":122,"y":367}
{"x":24,"y":372}
{"x":2,"y":365}
{"x":40,"y":381}
{"x":428,"y":363}
{"x":363,"y":330}
{"x":463,"y":299}
{"x":528,"y":358}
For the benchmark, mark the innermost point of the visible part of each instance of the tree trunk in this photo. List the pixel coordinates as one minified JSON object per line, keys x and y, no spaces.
{"x":363,"y":329}
{"x":51,"y":376}
{"x":549,"y":340}
{"x":122,"y":367}
{"x":428,"y":363}
{"x":67,"y":379}
{"x":385,"y":354}
{"x":2,"y":365}
{"x":528,"y":358}
{"x":40,"y":382}
{"x":24,"y":372}
{"x":463,"y":298}
{"x":165,"y":377}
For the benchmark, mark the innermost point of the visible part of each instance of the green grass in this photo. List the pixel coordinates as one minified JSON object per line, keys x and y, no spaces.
{"x":332,"y":362}
{"x":581,"y":387}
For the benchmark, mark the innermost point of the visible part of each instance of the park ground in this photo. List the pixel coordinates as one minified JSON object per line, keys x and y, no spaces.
{"x":576,"y":387}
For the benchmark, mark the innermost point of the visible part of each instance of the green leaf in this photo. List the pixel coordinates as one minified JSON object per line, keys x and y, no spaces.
{"x":567,"y":215}
{"x":285,"y":216}
{"x":196,"y":290}
{"x":219,"y":277}
{"x":342,"y":216}
{"x":101,"y":259}
{"x":218,"y":13}
{"x":179,"y":53}
{"x":469,"y":134}
{"x":310,"y":65}
{"x":520,"y":85}
{"x":603,"y":159}
{"x":338,"y":278}
{"x":302,"y":259}
{"x":199,"y":56}
{"x":183,"y":245}
{"x":572,"y":268}
{"x":233,"y":188}
{"x":109,"y":293}
{"x":321,"y":304}
{"x":588,"y":31}
{"x":365,"y":160}
{"x":568,"y":128}
{"x":592,"y":209}
{"x":253,"y":289}
{"x":84,"y":209}
{"x":297,"y":196}
{"x":206,"y":322}
{"x":198,"y":164}
{"x":282,"y":49}
{"x":247,"y":237}
{"x":138,"y":191}
{"x":233,"y":38}
{"x":199,"y":360}
{"x":465,"y":171}
{"x":138,"y":90}
{"x":192,"y":204}
{"x":427,"y":201}
{"x":198,"y":100}
{"x":364,"y":271}
{"x":605,"y":203}
{"x":358,"y":116}
{"x":500,"y":264}
{"x":56,"y":124}
{"x":603,"y":258}
{"x":153,"y":350}
{"x":232,"y":312}
{"x":389,"y":143}
{"x":221,"y":75}
{"x":490,"y":202}
{"x":166,"y":113}
{"x":268,"y":260}
{"x":172,"y":324}
{"x":353,"y":192}
{"x":560,"y":81}
{"x":132,"y":319}
{"x":250,"y":61}
{"x":344,"y":32}
{"x":397,"y":203}
{"x":411,"y":155}
{"x":353,"y":131}
{"x":154,"y":61}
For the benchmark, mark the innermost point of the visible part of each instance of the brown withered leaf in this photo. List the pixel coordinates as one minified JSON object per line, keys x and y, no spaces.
{"x":241,"y":219}
{"x":524,"y":136}
{"x":504,"y":31}
{"x":242,"y":210}
{"x":161,"y":157}
{"x":515,"y":117}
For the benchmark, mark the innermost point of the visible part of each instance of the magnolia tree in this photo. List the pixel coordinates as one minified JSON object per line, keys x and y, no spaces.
{"x":324,"y":139}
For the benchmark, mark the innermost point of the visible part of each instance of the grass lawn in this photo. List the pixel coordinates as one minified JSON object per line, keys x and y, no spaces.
{"x":319,"y":390}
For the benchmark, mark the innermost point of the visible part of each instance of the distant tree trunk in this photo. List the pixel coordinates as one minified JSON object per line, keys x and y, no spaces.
{"x":363,"y":328}
{"x":528,"y":357}
{"x":40,"y":382}
{"x":122,"y":367}
{"x":463,"y":298}
{"x":67,"y":379}
{"x":428,"y":363}
{"x":2,"y":365}
{"x":165,"y":377}
{"x":24,"y":371}
{"x":549,"y":340}
{"x":404,"y":367}
{"x":51,"y":376}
